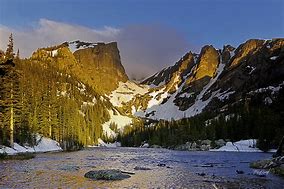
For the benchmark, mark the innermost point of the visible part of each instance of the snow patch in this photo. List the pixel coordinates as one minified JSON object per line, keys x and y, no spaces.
{"x":43,"y":145}
{"x":74,"y":45}
{"x":232,"y":53}
{"x":46,"y":145}
{"x":240,"y":146}
{"x":101,"y":143}
{"x":273,"y":57}
{"x":224,"y":95}
{"x":125,"y":92}
{"x":251,"y":69}
{"x":54,"y":53}
{"x":269,"y":88}
{"x":120,"y":120}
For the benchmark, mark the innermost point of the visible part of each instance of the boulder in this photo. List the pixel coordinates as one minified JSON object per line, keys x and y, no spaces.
{"x":219,"y":143}
{"x":111,"y":174}
{"x":193,"y":145}
{"x":69,"y":168}
{"x":205,"y":147}
{"x":206,"y":142}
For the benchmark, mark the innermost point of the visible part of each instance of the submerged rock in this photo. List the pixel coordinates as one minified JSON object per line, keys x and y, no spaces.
{"x":240,"y":172}
{"x":111,"y":174}
{"x":161,"y":165}
{"x":141,"y":168}
{"x":69,"y":168}
{"x":155,"y":146}
{"x":201,"y":174}
{"x":207,"y":165}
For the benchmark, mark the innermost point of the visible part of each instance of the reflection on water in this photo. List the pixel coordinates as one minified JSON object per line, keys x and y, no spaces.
{"x":182,"y":170}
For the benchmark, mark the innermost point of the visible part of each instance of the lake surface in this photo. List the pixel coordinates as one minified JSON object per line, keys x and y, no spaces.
{"x":182,"y":170}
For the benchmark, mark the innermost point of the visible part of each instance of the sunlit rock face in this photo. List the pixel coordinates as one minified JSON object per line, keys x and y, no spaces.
{"x":101,"y":66}
{"x":96,"y":64}
{"x":246,"y":49}
{"x":206,"y":64}
{"x":205,"y":68}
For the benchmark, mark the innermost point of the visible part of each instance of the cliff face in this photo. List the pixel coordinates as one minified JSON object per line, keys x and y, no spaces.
{"x":96,"y":64}
{"x":100,"y":66}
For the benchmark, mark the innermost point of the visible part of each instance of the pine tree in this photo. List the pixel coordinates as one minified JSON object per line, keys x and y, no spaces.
{"x":10,"y":103}
{"x":18,"y":55}
{"x":9,"y":55}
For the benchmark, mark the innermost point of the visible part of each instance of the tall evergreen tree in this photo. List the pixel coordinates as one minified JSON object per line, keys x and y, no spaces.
{"x":9,"y":55}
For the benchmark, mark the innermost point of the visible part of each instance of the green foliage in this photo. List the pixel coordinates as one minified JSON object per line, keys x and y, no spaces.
{"x":113,"y":126}
{"x":3,"y":156}
{"x":263,"y":144}
{"x":49,"y":102}
{"x":20,"y":156}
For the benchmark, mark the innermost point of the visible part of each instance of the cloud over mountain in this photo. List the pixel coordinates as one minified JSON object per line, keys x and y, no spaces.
{"x":144,"y":49}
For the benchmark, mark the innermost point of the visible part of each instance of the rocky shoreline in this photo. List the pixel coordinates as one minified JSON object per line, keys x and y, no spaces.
{"x":274,"y":165}
{"x":248,"y":145}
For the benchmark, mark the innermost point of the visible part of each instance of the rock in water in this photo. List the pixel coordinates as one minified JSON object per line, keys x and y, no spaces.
{"x":239,"y":172}
{"x":141,"y":168}
{"x":111,"y":174}
{"x":69,"y":168}
{"x":161,"y":165}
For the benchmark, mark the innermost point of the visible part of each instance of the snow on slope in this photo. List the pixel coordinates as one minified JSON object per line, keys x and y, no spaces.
{"x":77,"y":45}
{"x":43,"y":145}
{"x":125,"y":92}
{"x":101,"y":143}
{"x":240,"y":146}
{"x":120,"y":120}
{"x":170,"y":111}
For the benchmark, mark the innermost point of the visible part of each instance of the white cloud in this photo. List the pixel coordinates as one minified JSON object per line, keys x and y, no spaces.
{"x":144,"y":49}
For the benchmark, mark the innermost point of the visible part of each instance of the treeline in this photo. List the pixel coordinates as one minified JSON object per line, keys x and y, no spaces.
{"x":40,"y":98}
{"x":242,"y":121}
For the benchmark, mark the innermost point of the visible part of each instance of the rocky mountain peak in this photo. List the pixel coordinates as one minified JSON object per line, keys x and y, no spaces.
{"x":246,"y":49}
{"x":96,"y":64}
{"x":102,"y":62}
{"x":181,"y":68}
{"x":213,"y":80}
{"x":207,"y":64}
{"x":227,"y":53}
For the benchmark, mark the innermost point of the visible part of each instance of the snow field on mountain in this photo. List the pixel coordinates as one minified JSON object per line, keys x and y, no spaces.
{"x":125,"y":92}
{"x":170,"y":111}
{"x":120,"y":120}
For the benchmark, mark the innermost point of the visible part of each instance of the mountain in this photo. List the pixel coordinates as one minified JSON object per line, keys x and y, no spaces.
{"x":216,"y":95}
{"x":60,"y":93}
{"x":78,"y":92}
{"x":96,"y":64}
{"x":212,"y":80}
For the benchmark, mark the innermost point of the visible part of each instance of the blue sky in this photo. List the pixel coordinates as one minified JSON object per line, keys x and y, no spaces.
{"x":198,"y":22}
